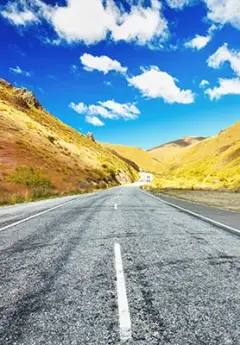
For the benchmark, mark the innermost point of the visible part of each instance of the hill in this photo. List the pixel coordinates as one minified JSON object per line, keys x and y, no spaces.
{"x":213,"y":163}
{"x":140,"y":157}
{"x":168,"y":151}
{"x":42,"y":156}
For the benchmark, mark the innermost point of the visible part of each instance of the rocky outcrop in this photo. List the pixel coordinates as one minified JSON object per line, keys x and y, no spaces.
{"x":20,"y":96}
{"x":28,"y":97}
{"x":90,"y":136}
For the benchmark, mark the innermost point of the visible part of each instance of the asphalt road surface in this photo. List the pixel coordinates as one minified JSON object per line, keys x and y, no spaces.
{"x":116,"y":267}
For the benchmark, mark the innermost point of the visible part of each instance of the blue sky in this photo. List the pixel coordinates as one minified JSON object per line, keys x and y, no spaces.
{"x":133,"y":72}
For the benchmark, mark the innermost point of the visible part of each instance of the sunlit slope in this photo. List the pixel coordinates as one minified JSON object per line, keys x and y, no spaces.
{"x":213,"y":163}
{"x":35,"y":147}
{"x":167,"y":152}
{"x":142,"y":158}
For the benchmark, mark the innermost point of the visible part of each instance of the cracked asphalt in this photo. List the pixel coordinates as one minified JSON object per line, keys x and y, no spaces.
{"x":58,"y":279}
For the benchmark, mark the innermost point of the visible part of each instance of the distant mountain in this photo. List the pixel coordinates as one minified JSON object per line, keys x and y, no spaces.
{"x":168,"y":151}
{"x":142,"y":158}
{"x":42,"y":156}
{"x":211,"y":163}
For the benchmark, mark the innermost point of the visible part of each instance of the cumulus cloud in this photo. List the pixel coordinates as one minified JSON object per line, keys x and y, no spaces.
{"x":107,"y":110}
{"x":204,"y":83}
{"x":80,"y":108}
{"x":94,"y":20}
{"x":224,"y":12}
{"x":154,"y":83}
{"x":18,"y":70}
{"x":101,"y":111}
{"x":226,"y":87}
{"x":222,"y":55}
{"x":101,"y":63}
{"x":124,"y":110}
{"x":94,"y":120}
{"x":18,"y":13}
{"x":141,"y":24}
{"x":219,"y":11}
{"x":198,"y":42}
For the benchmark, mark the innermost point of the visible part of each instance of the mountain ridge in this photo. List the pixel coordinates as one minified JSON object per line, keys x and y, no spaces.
{"x":136,"y":154}
{"x":168,"y":151}
{"x":184,"y":141}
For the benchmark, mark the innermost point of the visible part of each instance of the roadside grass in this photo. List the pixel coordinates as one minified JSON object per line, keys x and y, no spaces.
{"x":26,"y":184}
{"x":222,"y":198}
{"x":225,"y":200}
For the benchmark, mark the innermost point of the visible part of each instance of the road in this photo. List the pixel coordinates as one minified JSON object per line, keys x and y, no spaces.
{"x":116,"y":267}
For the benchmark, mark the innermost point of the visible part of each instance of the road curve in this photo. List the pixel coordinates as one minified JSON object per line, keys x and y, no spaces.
{"x":116,"y":267}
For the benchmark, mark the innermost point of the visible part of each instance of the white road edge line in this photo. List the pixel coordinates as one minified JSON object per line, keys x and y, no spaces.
{"x":36,"y":215}
{"x":123,"y":310}
{"x":52,"y":208}
{"x":209,"y":220}
{"x":115,"y":206}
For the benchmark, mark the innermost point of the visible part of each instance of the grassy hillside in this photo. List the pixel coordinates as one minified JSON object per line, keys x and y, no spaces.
{"x":140,"y":157}
{"x":41,"y":156}
{"x":213,"y":163}
{"x":167,"y":152}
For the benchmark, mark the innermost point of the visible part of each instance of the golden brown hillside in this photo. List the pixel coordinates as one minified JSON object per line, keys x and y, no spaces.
{"x":142,"y":158}
{"x":167,"y":152}
{"x":41,"y":156}
{"x":213,"y":163}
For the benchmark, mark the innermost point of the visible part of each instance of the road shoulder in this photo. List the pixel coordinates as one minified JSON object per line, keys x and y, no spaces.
{"x":225,"y":218}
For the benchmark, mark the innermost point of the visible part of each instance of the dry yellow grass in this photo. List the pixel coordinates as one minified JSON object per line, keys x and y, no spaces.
{"x":32,"y":137}
{"x":224,"y":200}
{"x":213,"y":163}
{"x":169,"y":151}
{"x":142,"y":158}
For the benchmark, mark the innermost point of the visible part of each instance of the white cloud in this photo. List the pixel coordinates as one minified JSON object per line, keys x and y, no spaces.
{"x":94,"y":20}
{"x":204,"y":83}
{"x":222,"y":55}
{"x":80,"y":108}
{"x":18,"y":70}
{"x":101,"y":111}
{"x":141,"y":24}
{"x":178,"y":3}
{"x":154,"y":83}
{"x":124,"y":110}
{"x":101,"y":63}
{"x":81,"y":20}
{"x":107,"y":110}
{"x":95,"y":121}
{"x":198,"y":42}
{"x":226,"y":87}
{"x":219,"y":11}
{"x":18,"y":13}
{"x":224,"y":11}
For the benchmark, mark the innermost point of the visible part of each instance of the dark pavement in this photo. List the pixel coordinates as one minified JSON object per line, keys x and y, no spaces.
{"x":58,"y":274}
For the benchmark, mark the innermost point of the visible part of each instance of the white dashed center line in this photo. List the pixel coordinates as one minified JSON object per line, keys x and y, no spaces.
{"x":123,"y":310}
{"x":115,"y":206}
